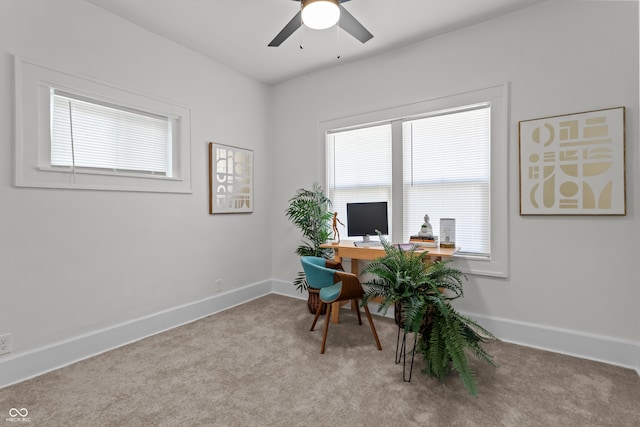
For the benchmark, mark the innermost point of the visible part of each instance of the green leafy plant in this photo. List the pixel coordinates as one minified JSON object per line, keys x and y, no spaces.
{"x":422,"y":291}
{"x":309,"y":211}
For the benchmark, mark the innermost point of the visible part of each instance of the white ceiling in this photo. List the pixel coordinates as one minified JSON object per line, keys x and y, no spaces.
{"x":235,"y":33}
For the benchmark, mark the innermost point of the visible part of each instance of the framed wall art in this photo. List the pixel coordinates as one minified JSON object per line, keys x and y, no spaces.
{"x":573,"y":164}
{"x":230,"y":179}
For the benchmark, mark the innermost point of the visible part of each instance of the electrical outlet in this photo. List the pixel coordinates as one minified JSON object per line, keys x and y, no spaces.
{"x":218,"y":285}
{"x":5,"y":343}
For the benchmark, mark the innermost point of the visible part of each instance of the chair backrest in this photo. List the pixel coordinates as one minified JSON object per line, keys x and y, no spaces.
{"x":318,"y":276}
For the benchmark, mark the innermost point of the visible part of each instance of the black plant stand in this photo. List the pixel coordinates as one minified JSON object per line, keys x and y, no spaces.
{"x":401,"y":353}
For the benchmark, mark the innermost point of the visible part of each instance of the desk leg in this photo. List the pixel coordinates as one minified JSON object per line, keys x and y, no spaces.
{"x":335,"y":308}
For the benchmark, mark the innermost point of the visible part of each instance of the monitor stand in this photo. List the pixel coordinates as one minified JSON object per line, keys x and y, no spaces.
{"x":367,"y":242}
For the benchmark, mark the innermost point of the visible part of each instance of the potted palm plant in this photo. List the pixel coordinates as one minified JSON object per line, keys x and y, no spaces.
{"x":309,"y":211}
{"x":421,"y":293}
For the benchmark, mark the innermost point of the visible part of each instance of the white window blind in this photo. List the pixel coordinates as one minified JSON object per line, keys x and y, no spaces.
{"x":446,"y":171}
{"x":359,"y":168}
{"x":90,"y":134}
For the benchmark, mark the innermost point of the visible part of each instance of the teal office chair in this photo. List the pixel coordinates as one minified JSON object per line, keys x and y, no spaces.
{"x":335,"y":285}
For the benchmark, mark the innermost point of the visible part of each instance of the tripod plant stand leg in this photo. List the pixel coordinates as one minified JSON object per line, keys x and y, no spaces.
{"x":401,"y":353}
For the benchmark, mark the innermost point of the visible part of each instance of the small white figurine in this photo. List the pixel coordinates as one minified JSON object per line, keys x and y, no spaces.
{"x":426,"y":230}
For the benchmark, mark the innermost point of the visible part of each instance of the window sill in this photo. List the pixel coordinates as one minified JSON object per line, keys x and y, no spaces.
{"x":83,"y":171}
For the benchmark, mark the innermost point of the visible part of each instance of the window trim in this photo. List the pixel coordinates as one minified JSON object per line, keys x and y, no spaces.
{"x":33,"y":83}
{"x":498,"y":264}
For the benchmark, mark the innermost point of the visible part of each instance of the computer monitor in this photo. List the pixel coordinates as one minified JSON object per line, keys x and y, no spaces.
{"x":366,"y":219}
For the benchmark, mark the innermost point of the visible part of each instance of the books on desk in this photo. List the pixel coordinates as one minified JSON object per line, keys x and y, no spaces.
{"x":423,"y":241}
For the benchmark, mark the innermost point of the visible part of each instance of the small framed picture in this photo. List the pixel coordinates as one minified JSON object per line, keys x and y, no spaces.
{"x":230,"y":179}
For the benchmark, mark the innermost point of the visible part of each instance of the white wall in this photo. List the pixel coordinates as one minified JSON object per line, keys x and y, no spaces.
{"x":576,"y":274}
{"x":73,"y":262}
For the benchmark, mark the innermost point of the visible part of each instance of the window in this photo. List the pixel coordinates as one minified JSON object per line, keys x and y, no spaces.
{"x":446,"y":158}
{"x":359,"y":167}
{"x":446,"y":174}
{"x":76,"y":133}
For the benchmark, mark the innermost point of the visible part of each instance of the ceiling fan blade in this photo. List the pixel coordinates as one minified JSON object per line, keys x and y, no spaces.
{"x":353,"y":27}
{"x":288,"y":29}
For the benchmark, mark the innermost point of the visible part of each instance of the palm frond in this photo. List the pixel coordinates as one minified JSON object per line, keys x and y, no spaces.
{"x":300,"y":282}
{"x":309,"y":211}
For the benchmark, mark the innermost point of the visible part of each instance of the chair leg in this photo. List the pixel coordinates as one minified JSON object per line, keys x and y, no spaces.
{"x":315,"y":319}
{"x":326,"y":328}
{"x":358,"y":311}
{"x":373,"y":328}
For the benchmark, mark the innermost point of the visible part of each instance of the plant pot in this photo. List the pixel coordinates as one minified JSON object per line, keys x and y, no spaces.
{"x":425,"y":328}
{"x":314,"y":303}
{"x":397,"y":315}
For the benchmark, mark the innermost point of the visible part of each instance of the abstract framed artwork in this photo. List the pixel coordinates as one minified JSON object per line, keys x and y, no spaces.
{"x":573,"y":164}
{"x":230,"y":179}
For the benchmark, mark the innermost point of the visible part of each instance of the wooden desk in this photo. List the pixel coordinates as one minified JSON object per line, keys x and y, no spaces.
{"x":347,"y":249}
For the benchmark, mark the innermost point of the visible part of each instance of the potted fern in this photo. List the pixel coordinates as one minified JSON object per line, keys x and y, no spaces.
{"x":421,"y":293}
{"x":309,"y":211}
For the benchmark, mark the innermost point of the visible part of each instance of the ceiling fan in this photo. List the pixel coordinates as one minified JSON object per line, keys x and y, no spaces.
{"x":333,"y":8}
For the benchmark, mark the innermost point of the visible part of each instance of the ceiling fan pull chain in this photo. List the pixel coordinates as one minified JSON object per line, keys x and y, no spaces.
{"x":338,"y":39}
{"x":301,"y":29}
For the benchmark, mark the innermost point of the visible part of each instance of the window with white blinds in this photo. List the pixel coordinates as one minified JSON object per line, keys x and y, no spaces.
{"x":76,"y":133}
{"x":87,"y":133}
{"x":359,"y":167}
{"x":446,"y":157}
{"x":446,"y":173}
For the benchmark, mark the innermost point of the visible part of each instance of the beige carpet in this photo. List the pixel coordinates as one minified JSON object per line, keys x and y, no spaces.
{"x":258,"y":365}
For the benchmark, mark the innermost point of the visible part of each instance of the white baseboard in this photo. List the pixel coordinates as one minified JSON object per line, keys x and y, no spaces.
{"x":29,"y":364}
{"x":32,"y":363}
{"x":285,"y":288}
{"x":599,"y":348}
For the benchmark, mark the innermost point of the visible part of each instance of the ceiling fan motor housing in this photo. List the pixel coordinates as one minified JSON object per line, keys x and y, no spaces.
{"x":320,"y":14}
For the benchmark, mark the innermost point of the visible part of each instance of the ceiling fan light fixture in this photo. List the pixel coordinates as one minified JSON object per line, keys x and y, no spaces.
{"x":320,"y":14}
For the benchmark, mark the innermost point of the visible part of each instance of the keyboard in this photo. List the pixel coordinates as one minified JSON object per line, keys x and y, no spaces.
{"x":367,"y":244}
